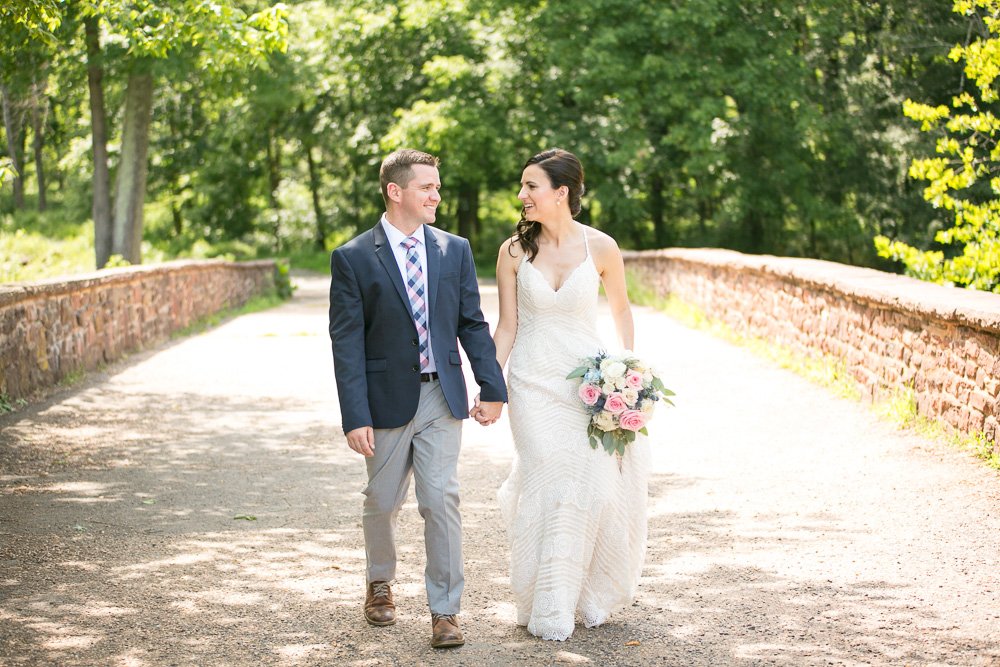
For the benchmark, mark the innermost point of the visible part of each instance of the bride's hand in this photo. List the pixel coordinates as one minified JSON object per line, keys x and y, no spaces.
{"x":474,"y":412}
{"x":487,"y":413}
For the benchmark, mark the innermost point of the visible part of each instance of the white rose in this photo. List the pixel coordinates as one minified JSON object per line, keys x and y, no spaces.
{"x":605,"y":421}
{"x":630,"y":395}
{"x":647,"y":407}
{"x":612,"y":369}
{"x":647,"y":376}
{"x":608,"y":388}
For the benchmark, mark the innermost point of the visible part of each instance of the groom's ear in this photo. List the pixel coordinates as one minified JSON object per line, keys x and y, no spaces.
{"x":394,"y":191}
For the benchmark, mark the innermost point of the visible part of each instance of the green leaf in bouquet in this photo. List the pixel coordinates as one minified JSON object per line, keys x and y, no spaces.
{"x":610,"y":442}
{"x":578,"y":372}
{"x":658,"y":386}
{"x":644,"y":430}
{"x":593,"y":434}
{"x":667,"y":400}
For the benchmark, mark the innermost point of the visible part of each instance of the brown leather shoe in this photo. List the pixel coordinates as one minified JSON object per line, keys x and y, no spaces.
{"x":379,"y":607}
{"x":445,"y":632}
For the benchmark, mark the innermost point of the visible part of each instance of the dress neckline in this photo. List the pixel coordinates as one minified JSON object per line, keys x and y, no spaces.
{"x":569,"y":276}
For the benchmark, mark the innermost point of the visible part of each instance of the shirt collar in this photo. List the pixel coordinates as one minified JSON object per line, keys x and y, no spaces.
{"x":395,"y":237}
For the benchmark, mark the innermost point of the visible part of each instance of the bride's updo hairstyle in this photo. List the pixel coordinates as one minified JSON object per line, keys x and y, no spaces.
{"x":562,"y":168}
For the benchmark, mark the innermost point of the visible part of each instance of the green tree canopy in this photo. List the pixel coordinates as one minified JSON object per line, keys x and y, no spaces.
{"x":965,"y":179}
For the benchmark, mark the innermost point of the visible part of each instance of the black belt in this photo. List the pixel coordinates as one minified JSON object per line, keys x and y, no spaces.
{"x":428,"y":377}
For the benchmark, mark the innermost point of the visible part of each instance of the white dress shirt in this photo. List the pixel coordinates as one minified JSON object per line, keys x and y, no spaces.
{"x":395,"y":238}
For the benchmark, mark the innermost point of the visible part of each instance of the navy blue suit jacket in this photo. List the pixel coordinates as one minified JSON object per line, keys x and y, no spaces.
{"x":374,"y":338}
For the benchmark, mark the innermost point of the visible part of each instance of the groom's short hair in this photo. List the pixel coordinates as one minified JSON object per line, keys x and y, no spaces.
{"x":397,"y":168}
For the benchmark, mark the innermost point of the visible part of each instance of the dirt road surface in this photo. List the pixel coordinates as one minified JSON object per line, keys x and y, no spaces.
{"x":197,"y":504}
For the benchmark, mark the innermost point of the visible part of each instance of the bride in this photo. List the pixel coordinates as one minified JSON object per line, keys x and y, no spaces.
{"x":575,"y":516}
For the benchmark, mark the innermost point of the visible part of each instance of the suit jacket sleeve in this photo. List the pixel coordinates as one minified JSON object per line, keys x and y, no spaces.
{"x":347,"y":335}
{"x":474,"y":333}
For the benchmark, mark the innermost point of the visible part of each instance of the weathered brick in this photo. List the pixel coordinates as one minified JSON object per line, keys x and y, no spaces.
{"x":974,"y":422}
{"x":980,"y":401}
{"x":991,"y":386}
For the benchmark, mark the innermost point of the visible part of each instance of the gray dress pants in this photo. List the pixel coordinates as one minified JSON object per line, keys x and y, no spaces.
{"x":427,"y":449}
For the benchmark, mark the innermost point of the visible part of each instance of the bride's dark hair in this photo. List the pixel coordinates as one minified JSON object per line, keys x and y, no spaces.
{"x":562,"y":168}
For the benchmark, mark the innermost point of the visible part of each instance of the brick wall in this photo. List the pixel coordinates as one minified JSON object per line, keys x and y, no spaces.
{"x":51,"y":328}
{"x":891,"y":331}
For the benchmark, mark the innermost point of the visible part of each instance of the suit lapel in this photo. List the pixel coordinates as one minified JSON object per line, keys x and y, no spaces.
{"x":433,"y":269}
{"x":388,"y":261}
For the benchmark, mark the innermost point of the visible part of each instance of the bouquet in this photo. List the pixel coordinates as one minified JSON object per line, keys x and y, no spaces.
{"x":619,"y":392}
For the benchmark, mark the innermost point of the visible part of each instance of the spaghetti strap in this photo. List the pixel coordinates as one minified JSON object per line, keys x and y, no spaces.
{"x":586,"y":243}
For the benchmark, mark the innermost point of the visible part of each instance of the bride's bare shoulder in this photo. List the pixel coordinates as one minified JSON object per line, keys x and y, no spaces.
{"x":509,"y":256}
{"x":510,"y":249}
{"x":601,"y":245}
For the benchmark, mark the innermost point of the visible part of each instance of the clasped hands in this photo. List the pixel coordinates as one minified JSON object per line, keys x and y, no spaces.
{"x":486,"y":412}
{"x":362,"y":440}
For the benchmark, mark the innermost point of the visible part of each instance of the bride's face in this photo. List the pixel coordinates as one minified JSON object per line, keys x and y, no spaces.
{"x":539,"y":199}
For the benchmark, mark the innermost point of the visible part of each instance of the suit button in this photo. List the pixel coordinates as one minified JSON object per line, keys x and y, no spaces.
{"x":416,"y":369}
{"x":413,"y":342}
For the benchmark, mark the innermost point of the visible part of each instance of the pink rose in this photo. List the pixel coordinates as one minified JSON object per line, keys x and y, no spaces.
{"x":615,"y":404}
{"x":631,"y":420}
{"x":588,"y":393}
{"x":633,"y":380}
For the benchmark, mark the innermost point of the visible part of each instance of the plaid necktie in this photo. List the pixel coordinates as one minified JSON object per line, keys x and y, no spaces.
{"x":415,"y":291}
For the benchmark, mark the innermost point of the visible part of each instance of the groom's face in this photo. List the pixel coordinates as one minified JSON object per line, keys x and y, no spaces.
{"x":419,"y":199}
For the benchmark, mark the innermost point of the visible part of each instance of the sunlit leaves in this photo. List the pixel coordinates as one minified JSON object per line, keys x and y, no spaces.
{"x":39,"y":17}
{"x":225,"y":35}
{"x":970,"y":152}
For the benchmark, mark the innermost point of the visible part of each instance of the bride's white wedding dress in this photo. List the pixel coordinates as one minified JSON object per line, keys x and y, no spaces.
{"x":575,"y":516}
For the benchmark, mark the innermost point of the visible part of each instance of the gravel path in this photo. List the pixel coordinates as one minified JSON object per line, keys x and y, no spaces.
{"x":787,"y":527}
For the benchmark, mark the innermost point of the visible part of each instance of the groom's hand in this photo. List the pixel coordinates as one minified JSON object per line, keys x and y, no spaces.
{"x":489,"y":412}
{"x":362,"y":440}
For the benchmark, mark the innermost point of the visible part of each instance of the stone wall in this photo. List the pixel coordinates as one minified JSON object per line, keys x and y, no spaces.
{"x":51,"y":328}
{"x":891,"y":331}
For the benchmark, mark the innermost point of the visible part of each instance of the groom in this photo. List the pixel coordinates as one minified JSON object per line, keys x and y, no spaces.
{"x":402,"y":296}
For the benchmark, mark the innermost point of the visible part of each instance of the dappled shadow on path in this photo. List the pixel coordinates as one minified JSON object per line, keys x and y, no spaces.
{"x":217,"y":522}
{"x":146,"y":564}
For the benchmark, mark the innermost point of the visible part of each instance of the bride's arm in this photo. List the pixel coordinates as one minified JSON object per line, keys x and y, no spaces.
{"x":611,"y":266}
{"x":506,"y":329}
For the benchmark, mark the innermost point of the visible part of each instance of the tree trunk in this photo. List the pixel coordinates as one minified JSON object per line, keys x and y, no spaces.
{"x":130,"y":188}
{"x":39,"y":115}
{"x":273,"y":167}
{"x":754,"y":231}
{"x":172,"y":173}
{"x":12,"y":120}
{"x":468,"y":211}
{"x":314,"y":189}
{"x":177,"y":217}
{"x":99,"y":141}
{"x":274,"y":180}
{"x":664,"y":239}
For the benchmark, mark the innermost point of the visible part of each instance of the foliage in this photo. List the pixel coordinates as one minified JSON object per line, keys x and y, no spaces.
{"x":282,"y":280}
{"x":765,"y":126}
{"x":965,"y":179}
{"x":40,"y":17}
{"x":7,"y":404}
{"x":34,"y":246}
